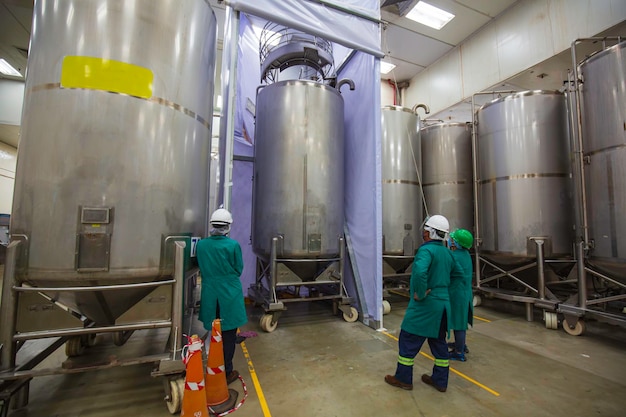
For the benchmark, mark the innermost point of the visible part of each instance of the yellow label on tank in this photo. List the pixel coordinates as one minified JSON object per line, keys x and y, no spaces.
{"x":107,"y":75}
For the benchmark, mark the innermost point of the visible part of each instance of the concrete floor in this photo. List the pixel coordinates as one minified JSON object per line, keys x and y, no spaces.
{"x":316,"y":364}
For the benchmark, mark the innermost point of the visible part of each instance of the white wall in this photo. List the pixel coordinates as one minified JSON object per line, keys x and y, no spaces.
{"x":523,"y":36}
{"x":8,"y":157}
{"x":11,"y":99}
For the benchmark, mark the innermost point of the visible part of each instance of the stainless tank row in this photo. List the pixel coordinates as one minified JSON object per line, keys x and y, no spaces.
{"x":524,"y":175}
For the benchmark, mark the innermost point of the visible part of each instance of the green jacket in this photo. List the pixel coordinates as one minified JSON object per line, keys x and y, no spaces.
{"x":461,"y":292}
{"x":221,"y":265}
{"x":432,"y":268}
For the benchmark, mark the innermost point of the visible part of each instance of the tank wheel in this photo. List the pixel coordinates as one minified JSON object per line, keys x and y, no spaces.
{"x":267,"y":323}
{"x":386,"y":307}
{"x":351,"y":318}
{"x":175,"y":399}
{"x":576,"y":330}
{"x":119,"y":338}
{"x":74,"y":347}
{"x":476,"y":300}
{"x":551,"y":320}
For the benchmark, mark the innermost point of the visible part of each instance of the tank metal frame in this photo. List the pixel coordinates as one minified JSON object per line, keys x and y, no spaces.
{"x":578,"y":305}
{"x":16,"y":376}
{"x":273,"y":276}
{"x":487,"y":273}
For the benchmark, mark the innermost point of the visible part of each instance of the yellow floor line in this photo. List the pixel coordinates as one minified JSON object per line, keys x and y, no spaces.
{"x":255,"y":381}
{"x":462,"y":375}
{"x":482,"y":319}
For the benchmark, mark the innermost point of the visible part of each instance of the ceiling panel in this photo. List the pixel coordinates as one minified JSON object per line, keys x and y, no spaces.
{"x":412,"y":47}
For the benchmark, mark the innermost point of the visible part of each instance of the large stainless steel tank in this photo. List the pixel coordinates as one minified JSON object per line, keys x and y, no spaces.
{"x":603,"y":106}
{"x":115,"y":143}
{"x":524,"y":176}
{"x":298,"y":170}
{"x":447,"y":172}
{"x":401,"y":167}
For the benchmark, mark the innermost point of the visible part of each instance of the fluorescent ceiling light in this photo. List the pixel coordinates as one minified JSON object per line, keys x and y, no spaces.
{"x":7,"y":69}
{"x":429,"y":15}
{"x":385,"y":67}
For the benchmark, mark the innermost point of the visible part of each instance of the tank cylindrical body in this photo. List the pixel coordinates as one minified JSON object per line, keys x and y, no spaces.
{"x":603,"y":104}
{"x":447,"y":172}
{"x":524,"y":176}
{"x":401,"y":168}
{"x":115,"y":142}
{"x":298,"y":170}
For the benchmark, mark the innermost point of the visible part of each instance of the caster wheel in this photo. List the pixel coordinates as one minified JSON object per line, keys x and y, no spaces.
{"x":476,"y":300}
{"x":74,"y":347}
{"x":175,"y":399}
{"x":119,"y":338}
{"x":576,"y":330}
{"x":386,"y":307}
{"x":89,"y":340}
{"x":267,"y":323}
{"x":352,"y":317}
{"x":550,"y":319}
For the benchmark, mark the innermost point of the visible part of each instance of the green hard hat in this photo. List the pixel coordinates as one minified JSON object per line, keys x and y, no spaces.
{"x":463,"y":237}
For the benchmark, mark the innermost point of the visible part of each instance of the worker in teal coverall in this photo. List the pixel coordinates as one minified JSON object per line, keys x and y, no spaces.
{"x":221,"y":265}
{"x":461,"y":295}
{"x":429,"y":306}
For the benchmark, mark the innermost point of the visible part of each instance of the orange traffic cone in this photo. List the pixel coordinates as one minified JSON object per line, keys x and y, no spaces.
{"x":218,"y":396}
{"x":194,"y":399}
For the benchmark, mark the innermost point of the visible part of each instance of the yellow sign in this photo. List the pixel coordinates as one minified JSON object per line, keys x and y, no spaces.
{"x":106,"y":75}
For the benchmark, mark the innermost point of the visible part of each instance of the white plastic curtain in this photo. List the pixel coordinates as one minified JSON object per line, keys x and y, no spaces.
{"x":362,"y":129}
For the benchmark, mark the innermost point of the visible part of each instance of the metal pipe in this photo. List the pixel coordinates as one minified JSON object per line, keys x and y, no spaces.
{"x":578,"y":151}
{"x":423,"y":106}
{"x":177,"y":297}
{"x":475,"y":192}
{"x":90,"y":330}
{"x":94,"y":288}
{"x":345,"y":81}
{"x":8,"y":309}
{"x":541,"y":277}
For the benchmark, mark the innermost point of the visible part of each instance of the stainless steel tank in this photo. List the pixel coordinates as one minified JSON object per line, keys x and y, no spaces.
{"x":524,"y":177}
{"x":401,"y":167}
{"x":447,"y":172}
{"x":298,"y":170}
{"x":603,"y":104}
{"x":115,"y":142}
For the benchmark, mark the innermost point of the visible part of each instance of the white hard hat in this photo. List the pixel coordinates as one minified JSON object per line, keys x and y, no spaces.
{"x":438,"y":222}
{"x":221,"y":216}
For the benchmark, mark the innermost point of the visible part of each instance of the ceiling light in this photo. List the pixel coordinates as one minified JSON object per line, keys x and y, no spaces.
{"x":429,"y":15}
{"x":385,"y":67}
{"x":7,"y":69}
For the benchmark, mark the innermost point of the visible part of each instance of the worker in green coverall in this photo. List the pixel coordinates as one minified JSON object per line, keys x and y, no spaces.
{"x":426,"y":317}
{"x":461,"y":295}
{"x":221,"y":265}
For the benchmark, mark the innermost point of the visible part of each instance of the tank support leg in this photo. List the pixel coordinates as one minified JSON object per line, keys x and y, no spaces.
{"x":582,"y":275}
{"x":529,"y":311}
{"x":177,"y":299}
{"x":8,"y":310}
{"x":541,"y":278}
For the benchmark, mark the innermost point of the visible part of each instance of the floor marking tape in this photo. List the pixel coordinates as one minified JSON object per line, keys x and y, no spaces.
{"x":255,"y":381}
{"x":462,"y":375}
